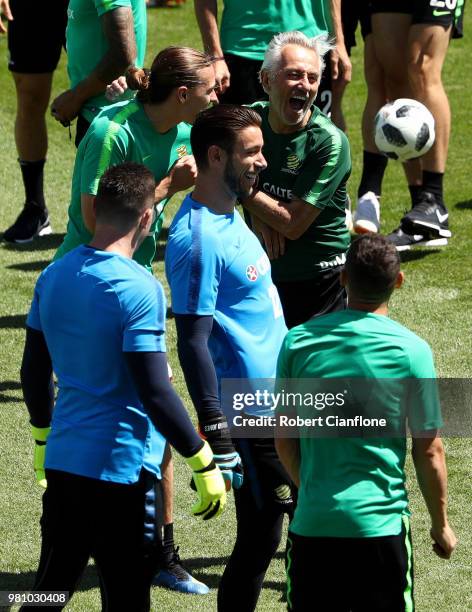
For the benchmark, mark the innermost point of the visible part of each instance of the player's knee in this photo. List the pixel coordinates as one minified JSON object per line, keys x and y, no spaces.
{"x":32,"y":96}
{"x":423,"y":75}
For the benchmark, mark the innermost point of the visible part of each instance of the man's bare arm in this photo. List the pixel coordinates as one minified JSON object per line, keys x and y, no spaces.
{"x":291,"y":219}
{"x":288,"y":450}
{"x":430,"y":465}
{"x":119,"y":31}
{"x":341,"y":66}
{"x":5,"y":11}
{"x":206,"y":12}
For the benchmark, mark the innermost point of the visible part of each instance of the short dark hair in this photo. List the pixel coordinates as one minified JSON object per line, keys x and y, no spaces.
{"x":123,"y":192}
{"x":372,"y":267}
{"x":219,"y":125}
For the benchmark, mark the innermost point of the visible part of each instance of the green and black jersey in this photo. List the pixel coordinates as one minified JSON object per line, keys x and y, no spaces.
{"x":313,"y":165}
{"x":119,"y":134}
{"x":354,"y":487}
{"x":247,"y":26}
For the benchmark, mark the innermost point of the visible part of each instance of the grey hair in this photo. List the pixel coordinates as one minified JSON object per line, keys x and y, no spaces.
{"x":320,"y":44}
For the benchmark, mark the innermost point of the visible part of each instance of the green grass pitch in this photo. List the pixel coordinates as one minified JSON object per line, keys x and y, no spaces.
{"x":435,"y":303}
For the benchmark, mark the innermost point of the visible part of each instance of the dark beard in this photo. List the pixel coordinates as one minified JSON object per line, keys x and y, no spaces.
{"x":233,"y":182}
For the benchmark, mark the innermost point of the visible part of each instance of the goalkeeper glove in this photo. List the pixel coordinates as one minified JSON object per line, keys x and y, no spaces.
{"x":232,"y":469}
{"x":216,"y":432}
{"x":40,"y":435}
{"x":209,"y":484}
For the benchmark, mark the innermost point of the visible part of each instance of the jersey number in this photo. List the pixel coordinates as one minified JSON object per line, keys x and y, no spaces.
{"x":276,"y":305}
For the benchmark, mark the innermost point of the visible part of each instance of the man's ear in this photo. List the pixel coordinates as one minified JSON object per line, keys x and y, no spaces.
{"x":146,"y":218}
{"x":400,"y":280}
{"x":216,"y":154}
{"x":265,"y":81}
{"x":182,"y":94}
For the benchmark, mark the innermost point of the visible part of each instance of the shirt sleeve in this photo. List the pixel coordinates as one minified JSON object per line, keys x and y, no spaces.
{"x":323,"y":170}
{"x":194,"y":270}
{"x":144,"y":320}
{"x":103,"y":6}
{"x":424,"y":408}
{"x":105,"y":145}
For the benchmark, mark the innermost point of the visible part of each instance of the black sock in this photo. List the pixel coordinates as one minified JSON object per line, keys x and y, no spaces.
{"x":433,"y":183}
{"x":373,"y":171}
{"x":415,"y":193}
{"x":33,"y":176}
{"x":168,"y":545}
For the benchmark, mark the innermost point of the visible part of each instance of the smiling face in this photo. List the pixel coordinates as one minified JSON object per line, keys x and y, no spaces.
{"x":245,"y":162}
{"x":292,"y":88}
{"x":201,"y":96}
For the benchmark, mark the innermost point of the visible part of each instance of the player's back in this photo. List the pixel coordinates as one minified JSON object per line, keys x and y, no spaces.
{"x":90,"y":312}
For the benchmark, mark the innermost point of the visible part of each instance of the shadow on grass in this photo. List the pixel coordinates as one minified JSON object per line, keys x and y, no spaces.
{"x":197,"y":564}
{"x":30,"y":266}
{"x":44,"y":243}
{"x":24,"y":581}
{"x":9,"y":385}
{"x":13,"y":321}
{"x":466,"y":204}
{"x":407,"y":256}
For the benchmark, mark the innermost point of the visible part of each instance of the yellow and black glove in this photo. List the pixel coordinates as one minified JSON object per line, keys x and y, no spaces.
{"x":40,"y":436}
{"x":209,"y":484}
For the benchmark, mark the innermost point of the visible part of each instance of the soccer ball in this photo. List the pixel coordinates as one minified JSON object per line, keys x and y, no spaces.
{"x":404,"y":129}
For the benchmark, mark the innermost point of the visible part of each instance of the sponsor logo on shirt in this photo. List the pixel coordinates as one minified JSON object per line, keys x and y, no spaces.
{"x":339,"y":260}
{"x":280,"y":192}
{"x":292,"y":164}
{"x":251,"y":273}
{"x":181,"y":151}
{"x":260,"y":268}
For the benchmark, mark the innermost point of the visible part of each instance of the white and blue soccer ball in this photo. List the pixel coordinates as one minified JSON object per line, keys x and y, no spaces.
{"x":404,"y":129}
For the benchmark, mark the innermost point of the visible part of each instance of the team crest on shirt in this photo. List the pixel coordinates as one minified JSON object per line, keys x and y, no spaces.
{"x":252,"y":273}
{"x":181,"y":151}
{"x":292,"y":164}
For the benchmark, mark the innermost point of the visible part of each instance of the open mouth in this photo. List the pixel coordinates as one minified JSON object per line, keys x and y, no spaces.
{"x":298,"y":102}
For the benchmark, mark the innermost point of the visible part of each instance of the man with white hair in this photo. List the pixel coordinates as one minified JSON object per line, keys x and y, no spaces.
{"x":302,"y":193}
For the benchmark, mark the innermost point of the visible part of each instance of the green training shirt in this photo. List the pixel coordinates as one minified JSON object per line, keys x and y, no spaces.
{"x":121,"y":133}
{"x":247,"y":26}
{"x":355,"y":487}
{"x":313,"y":165}
{"x":86,"y":43}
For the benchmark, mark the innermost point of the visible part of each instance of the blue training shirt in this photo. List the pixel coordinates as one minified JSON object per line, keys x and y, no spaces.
{"x":216,"y":266}
{"x":92,"y":306}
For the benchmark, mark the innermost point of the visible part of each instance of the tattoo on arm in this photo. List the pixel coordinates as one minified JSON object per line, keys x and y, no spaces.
{"x":118,"y":28}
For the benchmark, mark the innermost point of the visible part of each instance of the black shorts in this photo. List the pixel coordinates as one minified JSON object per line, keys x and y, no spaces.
{"x":245,"y":87}
{"x":266,"y":483}
{"x":353,"y":13}
{"x":304,"y":299}
{"x":119,"y":525}
{"x":324,"y":97}
{"x":36,"y":35}
{"x":435,"y":12}
{"x":350,"y":574}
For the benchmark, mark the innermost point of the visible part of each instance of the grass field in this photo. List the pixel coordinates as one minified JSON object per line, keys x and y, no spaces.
{"x":435,"y":303}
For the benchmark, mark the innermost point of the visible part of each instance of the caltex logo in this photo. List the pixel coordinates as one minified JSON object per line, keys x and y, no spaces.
{"x":181,"y":151}
{"x":251,"y":273}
